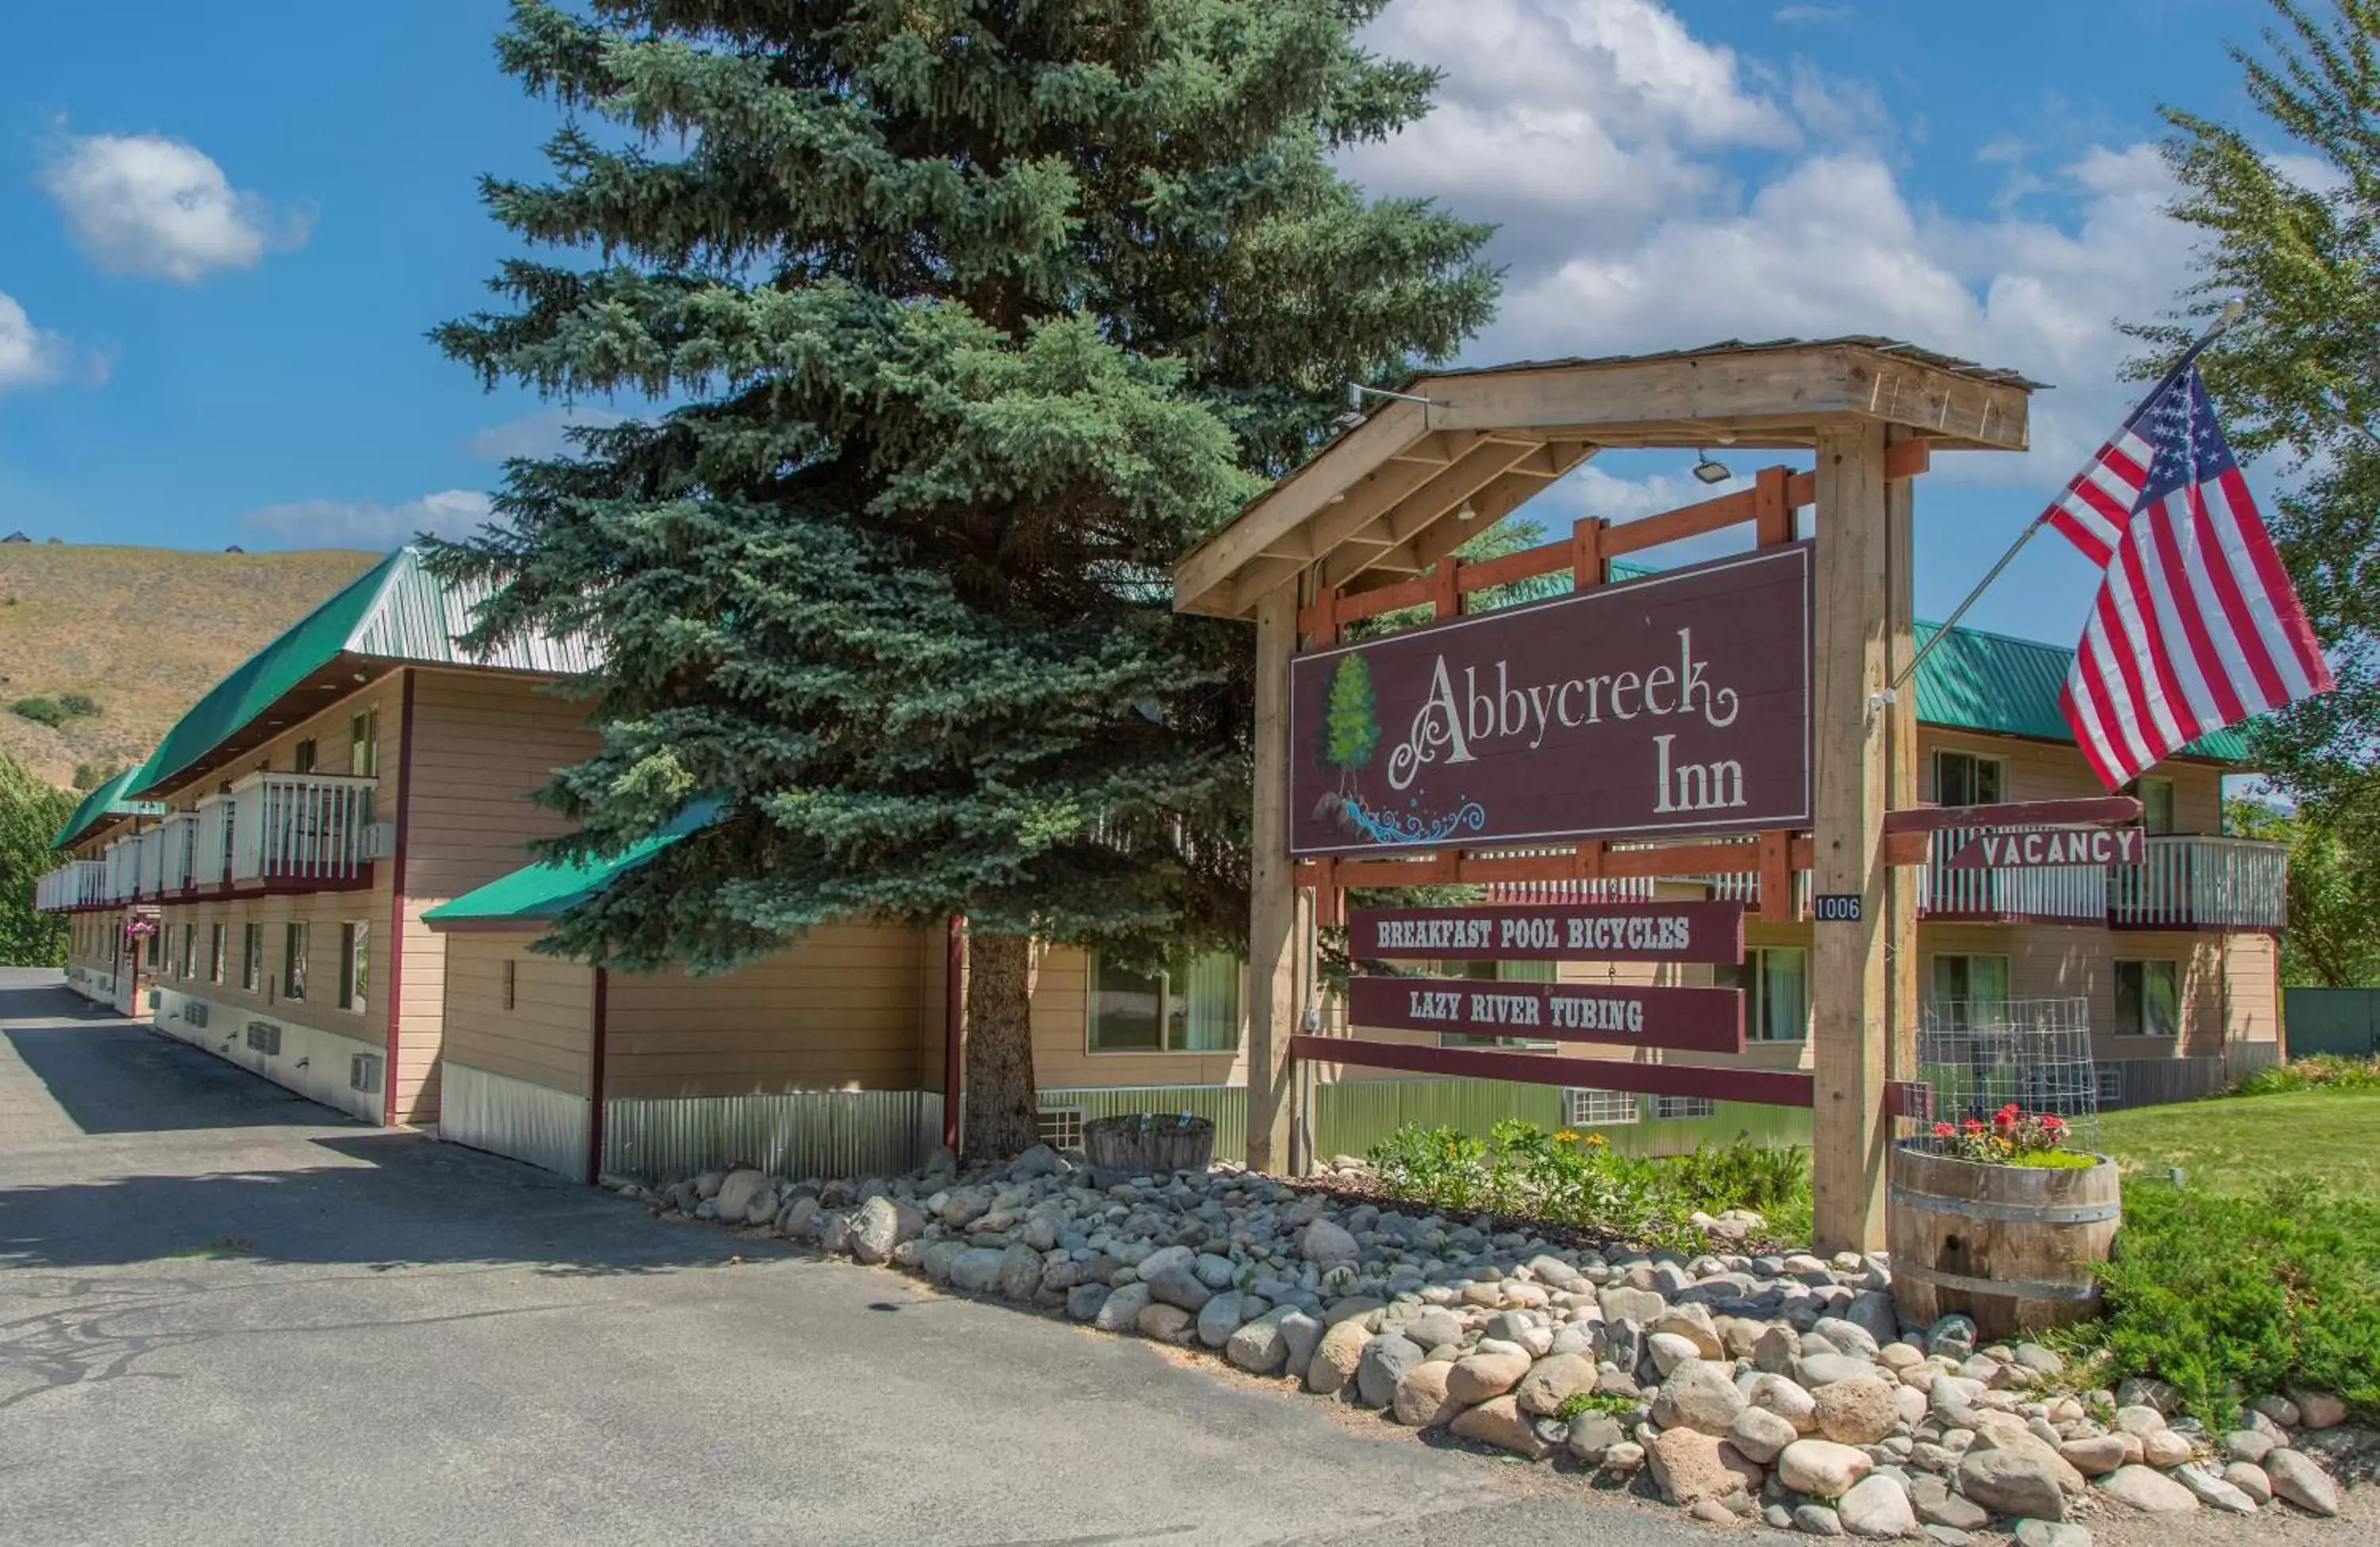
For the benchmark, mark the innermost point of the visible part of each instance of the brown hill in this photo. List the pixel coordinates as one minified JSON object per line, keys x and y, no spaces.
{"x":141,"y":632}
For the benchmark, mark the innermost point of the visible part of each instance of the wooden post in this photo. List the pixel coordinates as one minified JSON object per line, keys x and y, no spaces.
{"x":1272,"y":890}
{"x":1900,"y":600}
{"x":1847,"y":967}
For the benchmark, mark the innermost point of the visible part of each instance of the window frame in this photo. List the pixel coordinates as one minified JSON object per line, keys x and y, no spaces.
{"x":511,"y":983}
{"x":1935,"y":959}
{"x":1684,"y":1109}
{"x":363,"y":743}
{"x":1581,"y":1112}
{"x":2154,"y":823}
{"x":293,"y":960}
{"x":1998,"y":765}
{"x":190,"y":949}
{"x":305,"y":756}
{"x":218,"y":951}
{"x":354,"y":964}
{"x":1166,"y":999}
{"x":2139,"y":1025}
{"x":251,"y":957}
{"x":1755,"y":993}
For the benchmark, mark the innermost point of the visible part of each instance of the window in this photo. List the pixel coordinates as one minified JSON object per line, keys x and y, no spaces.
{"x":293,"y":961}
{"x":363,"y":743}
{"x":1598,"y":1109}
{"x":1964,"y":779}
{"x":1060,"y":1127}
{"x":301,"y":757}
{"x":2148,"y":998}
{"x":1195,"y":1011}
{"x":1675,"y":1109}
{"x":215,"y":934}
{"x":508,"y":983}
{"x":1776,"y":984}
{"x":1500,"y":972}
{"x":2156,"y":796}
{"x":354,"y":964}
{"x":251,"y":958}
{"x":190,"y":950}
{"x":1969,"y":986}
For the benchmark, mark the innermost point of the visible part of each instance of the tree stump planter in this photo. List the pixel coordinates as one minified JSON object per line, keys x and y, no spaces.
{"x":2014,"y":1247}
{"x":1149,"y":1144}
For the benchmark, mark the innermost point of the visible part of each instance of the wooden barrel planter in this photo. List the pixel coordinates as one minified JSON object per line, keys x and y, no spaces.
{"x":1149,"y":1143}
{"x":2017,"y":1247}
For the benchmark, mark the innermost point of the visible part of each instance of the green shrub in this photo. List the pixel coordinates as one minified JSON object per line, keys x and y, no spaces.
{"x":2317,"y":1071}
{"x":79,"y":705}
{"x":41,"y":711}
{"x":1520,"y":1169}
{"x":1610,"y":1403}
{"x":2226,"y":1296}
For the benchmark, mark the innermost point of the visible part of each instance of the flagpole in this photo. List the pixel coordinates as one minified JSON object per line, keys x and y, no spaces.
{"x":2232,"y":310}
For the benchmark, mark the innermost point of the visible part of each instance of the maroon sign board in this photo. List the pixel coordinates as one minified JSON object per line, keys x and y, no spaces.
{"x":1693,"y":931}
{"x":1676,"y":703}
{"x":1691,"y":1020}
{"x":2058,"y":846}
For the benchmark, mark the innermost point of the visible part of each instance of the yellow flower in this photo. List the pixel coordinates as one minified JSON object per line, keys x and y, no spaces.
{"x":1599,"y":1141}
{"x":1564,"y":1136}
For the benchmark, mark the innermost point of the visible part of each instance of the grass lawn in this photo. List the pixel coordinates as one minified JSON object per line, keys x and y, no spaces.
{"x":2237,"y":1143}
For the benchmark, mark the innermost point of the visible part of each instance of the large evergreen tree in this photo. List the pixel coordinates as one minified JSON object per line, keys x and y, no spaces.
{"x":2288,"y":209}
{"x":975,"y":313}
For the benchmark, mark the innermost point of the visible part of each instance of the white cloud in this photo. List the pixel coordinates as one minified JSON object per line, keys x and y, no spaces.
{"x":341,"y":524}
{"x":538,"y":434}
{"x":147,"y":204}
{"x":1657,"y":193}
{"x":29,"y":356}
{"x":1589,"y":112}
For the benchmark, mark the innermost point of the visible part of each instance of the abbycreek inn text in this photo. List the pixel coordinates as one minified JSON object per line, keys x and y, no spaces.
{"x":1679,"y":702}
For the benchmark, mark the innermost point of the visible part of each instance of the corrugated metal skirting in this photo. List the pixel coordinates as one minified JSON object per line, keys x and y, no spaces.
{"x":790,"y":1133}
{"x":506,"y":1117}
{"x":1350,"y":1116}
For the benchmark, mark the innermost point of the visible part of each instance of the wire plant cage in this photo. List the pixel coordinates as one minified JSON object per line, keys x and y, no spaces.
{"x":1977,"y":1056}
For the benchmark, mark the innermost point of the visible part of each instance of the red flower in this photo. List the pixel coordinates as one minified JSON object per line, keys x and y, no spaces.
{"x":1944,"y":1130}
{"x":1973,"y":1125}
{"x":2052,"y":1121}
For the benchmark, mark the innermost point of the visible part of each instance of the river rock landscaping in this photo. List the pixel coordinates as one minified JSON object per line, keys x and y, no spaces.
{"x":1739,"y":1383}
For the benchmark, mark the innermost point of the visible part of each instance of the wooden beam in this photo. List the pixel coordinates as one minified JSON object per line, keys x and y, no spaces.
{"x":1847,"y":960}
{"x":1721,"y":1082}
{"x":1489,"y":505}
{"x":1688,"y":520}
{"x":1439,"y":497}
{"x":1210,"y":569}
{"x":1273,"y":945}
{"x":1901,"y":891}
{"x":2090,"y":811}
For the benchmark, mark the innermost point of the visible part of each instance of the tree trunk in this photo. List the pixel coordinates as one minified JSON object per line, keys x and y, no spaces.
{"x":1000,"y":1099}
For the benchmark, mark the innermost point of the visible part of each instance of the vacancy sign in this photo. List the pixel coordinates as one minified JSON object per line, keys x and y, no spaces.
{"x":2057,"y":848}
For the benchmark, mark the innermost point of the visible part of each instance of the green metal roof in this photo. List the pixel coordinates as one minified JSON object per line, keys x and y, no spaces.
{"x":2002,"y":685}
{"x":542,"y":891}
{"x":396,"y":610}
{"x":108,"y":800}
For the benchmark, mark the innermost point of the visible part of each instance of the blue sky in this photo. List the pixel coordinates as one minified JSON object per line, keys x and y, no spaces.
{"x":221,"y":240}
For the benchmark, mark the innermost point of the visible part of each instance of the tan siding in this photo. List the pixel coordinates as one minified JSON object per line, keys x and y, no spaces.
{"x":840,"y":1011}
{"x":547,"y":1038}
{"x":481,"y":743}
{"x":2051,"y":771}
{"x":1061,"y":1037}
{"x":323,"y":913}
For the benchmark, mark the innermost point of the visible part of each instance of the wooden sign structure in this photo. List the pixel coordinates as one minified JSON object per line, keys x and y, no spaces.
{"x":1627,"y":1015}
{"x":1682,"y":931}
{"x":1369,"y":526}
{"x":2042,"y":848}
{"x":1676,"y":703}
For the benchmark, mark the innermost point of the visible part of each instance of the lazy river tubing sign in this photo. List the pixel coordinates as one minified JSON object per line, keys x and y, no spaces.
{"x":1691,"y":1020}
{"x":1676,"y":703}
{"x":1695,"y":932}
{"x":2037,"y":850}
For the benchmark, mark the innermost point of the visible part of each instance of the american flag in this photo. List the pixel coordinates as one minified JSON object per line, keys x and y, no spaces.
{"x":2195,"y":627}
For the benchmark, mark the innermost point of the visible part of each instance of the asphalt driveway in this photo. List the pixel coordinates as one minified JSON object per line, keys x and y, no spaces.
{"x":227,"y":1314}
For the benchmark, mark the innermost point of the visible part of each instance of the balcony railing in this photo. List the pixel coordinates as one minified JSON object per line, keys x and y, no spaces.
{"x":77,"y":884}
{"x":294,"y":828}
{"x":2202,"y":882}
{"x":2063,"y":894}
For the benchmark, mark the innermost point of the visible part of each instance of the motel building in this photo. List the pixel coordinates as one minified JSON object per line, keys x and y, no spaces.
{"x":321,"y":875}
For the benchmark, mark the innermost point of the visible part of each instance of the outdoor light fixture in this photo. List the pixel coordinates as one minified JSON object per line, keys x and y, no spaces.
{"x":1711,"y":470}
{"x":1358,"y":392}
{"x":1466,"y":513}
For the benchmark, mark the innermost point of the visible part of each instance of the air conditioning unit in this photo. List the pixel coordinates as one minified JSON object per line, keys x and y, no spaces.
{"x":194,"y":1012}
{"x":380,"y":841}
{"x":156,"y":998}
{"x":265,"y":1038}
{"x":363,"y":1072}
